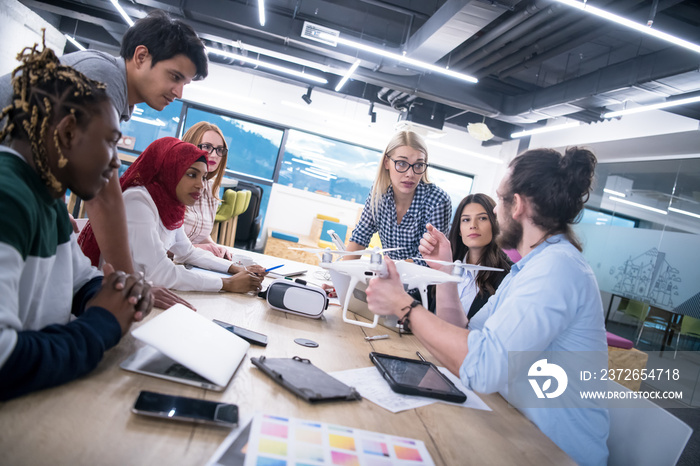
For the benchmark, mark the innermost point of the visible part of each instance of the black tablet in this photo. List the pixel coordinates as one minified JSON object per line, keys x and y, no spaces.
{"x":414,"y":377}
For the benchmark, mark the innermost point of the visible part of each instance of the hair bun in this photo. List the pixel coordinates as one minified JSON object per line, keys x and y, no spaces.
{"x":577,"y":167}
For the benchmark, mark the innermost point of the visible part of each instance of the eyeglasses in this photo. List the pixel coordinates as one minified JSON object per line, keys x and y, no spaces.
{"x":402,"y":166}
{"x":221,"y":151}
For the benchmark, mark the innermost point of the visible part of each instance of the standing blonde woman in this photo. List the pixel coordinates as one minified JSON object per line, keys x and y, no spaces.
{"x":199,"y":218}
{"x":402,"y":200}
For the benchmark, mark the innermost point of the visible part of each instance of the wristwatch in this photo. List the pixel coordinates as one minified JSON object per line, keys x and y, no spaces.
{"x":404,"y":322}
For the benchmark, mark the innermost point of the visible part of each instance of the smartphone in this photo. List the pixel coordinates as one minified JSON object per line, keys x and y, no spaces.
{"x":254,"y":338}
{"x":181,"y":408}
{"x":415,"y":377}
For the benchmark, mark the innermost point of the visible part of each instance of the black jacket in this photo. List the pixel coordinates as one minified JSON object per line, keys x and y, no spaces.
{"x":481,"y":298}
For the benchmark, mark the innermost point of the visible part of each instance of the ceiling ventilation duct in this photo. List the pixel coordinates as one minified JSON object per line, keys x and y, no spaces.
{"x":432,"y":116}
{"x":424,"y":120}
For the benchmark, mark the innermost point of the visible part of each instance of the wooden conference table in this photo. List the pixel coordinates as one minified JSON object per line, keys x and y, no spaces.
{"x":89,"y":421}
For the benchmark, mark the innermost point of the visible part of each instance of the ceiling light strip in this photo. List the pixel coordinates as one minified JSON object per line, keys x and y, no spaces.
{"x":121,"y":11}
{"x":279,"y":56}
{"x":613,"y":192}
{"x":635,"y":204}
{"x":545,"y":129}
{"x":72,"y":40}
{"x":347,"y":75}
{"x":404,"y":59}
{"x":646,"y":108}
{"x":684,"y":212}
{"x":643,"y":28}
{"x":261,"y":12}
{"x":270,"y":66}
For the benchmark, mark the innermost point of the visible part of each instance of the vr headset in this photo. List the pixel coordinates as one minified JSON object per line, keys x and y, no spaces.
{"x":296,"y":297}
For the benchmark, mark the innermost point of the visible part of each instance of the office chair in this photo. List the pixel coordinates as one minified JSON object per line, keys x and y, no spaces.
{"x":689,"y":326}
{"x":249,"y":221}
{"x":645,"y":435}
{"x":223,"y":214}
{"x":228,"y":228}
{"x":637,"y":311}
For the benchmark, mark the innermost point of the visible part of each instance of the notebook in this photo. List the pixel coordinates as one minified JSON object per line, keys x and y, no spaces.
{"x":186,"y":347}
{"x":358,"y":301}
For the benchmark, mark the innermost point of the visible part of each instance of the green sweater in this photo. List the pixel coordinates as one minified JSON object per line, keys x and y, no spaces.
{"x":44,"y":278}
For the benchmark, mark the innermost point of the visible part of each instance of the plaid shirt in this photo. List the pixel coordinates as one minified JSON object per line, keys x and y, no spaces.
{"x":199,"y":218}
{"x":430,"y":205}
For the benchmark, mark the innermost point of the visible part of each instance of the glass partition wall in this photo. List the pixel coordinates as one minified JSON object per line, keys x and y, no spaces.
{"x":642,"y":239}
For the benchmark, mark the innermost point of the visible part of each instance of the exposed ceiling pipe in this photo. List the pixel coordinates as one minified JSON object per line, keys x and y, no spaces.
{"x":395,"y":8}
{"x":540,"y":23}
{"x":534,"y":42}
{"x":382,"y":93}
{"x":529,"y":33}
{"x":519,"y":61}
{"x":633,"y":72}
{"x":517,"y":18}
{"x":569,"y":37}
{"x":561,"y":27}
{"x":528,"y":58}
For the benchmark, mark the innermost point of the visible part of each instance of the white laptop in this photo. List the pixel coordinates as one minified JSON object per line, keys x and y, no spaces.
{"x":186,"y":347}
{"x":358,"y":301}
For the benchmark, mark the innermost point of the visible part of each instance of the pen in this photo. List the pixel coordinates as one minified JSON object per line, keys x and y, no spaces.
{"x":377,"y":337}
{"x":273,"y":268}
{"x":421,"y":356}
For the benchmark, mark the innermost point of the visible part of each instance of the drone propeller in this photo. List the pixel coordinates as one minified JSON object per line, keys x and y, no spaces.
{"x":458,"y":263}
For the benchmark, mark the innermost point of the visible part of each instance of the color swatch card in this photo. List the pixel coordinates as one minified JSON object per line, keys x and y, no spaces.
{"x":281,"y":441}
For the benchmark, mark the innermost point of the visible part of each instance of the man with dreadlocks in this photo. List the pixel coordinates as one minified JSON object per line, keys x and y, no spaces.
{"x":62,"y":132}
{"x":159,"y":55}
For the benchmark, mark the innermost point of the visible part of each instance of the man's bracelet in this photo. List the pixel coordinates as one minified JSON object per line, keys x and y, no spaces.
{"x":405,"y":321}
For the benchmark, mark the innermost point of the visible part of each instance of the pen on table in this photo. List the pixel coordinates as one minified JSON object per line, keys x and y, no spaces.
{"x":421,"y":356}
{"x":273,"y":268}
{"x":377,"y":337}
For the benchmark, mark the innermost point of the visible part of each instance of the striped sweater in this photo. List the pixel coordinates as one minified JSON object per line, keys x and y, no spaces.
{"x":44,"y":280}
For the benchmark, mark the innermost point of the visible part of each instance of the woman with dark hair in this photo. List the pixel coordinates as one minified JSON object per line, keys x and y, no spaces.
{"x":166,"y":178}
{"x":473,"y":241}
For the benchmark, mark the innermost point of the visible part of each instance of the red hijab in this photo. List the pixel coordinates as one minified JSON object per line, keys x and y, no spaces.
{"x":159,"y":169}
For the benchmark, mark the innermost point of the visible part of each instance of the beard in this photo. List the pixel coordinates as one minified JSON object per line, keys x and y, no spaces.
{"x":511,"y":234}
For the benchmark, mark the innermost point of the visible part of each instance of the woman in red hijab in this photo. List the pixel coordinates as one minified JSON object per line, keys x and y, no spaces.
{"x":168,"y":176}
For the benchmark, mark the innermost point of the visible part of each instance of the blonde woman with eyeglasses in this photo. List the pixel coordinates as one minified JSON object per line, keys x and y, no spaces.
{"x":402,"y":200}
{"x":199,"y":218}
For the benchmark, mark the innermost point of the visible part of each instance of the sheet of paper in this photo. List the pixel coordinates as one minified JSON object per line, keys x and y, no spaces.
{"x":277,"y":440}
{"x":371,"y":385}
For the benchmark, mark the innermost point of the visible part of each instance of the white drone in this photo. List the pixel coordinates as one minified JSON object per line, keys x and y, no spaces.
{"x":460,"y":267}
{"x":412,"y":275}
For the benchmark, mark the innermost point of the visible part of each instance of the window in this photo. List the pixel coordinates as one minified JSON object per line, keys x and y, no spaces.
{"x":253,"y":148}
{"x":327,"y":166}
{"x":146,"y":125}
{"x":601,"y":218}
{"x":456,"y":185}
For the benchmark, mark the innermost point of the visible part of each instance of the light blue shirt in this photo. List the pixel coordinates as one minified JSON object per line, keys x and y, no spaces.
{"x":549,"y":302}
